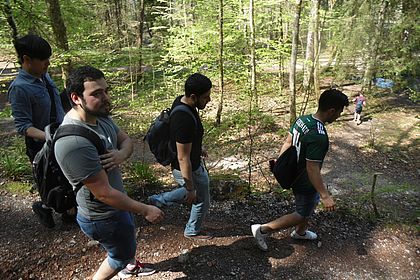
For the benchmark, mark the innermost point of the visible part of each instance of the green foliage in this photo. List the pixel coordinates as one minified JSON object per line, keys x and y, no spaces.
{"x":6,"y":112}
{"x":16,"y":187}
{"x":357,"y":200}
{"x":142,"y":174}
{"x":13,"y":161}
{"x":283,"y":193}
{"x":414,"y":95}
{"x":237,"y":121}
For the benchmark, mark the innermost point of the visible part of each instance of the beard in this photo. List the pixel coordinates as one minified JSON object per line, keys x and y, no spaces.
{"x":104,"y":111}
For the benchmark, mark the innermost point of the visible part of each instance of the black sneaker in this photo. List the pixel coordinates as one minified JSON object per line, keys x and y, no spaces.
{"x":137,"y":269}
{"x":44,"y":215}
{"x":200,"y":236}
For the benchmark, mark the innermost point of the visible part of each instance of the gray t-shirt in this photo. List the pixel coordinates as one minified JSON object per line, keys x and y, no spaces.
{"x":79,"y":160}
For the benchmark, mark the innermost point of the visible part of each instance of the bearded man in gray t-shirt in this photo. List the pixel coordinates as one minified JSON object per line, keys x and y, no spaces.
{"x":104,"y":209}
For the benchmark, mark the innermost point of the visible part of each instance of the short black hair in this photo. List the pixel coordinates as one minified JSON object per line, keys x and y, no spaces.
{"x":332,"y":98}
{"x":76,"y":79}
{"x":33,"y":46}
{"x":197,"y":84}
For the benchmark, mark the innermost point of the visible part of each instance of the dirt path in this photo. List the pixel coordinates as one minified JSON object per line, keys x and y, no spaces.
{"x":350,"y":247}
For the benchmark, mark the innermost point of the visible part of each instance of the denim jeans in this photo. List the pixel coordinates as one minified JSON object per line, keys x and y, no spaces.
{"x":177,"y":196}
{"x":116,"y":234}
{"x":306,"y":203}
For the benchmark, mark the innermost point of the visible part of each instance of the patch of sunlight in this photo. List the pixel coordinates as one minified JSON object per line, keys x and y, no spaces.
{"x":229,"y":163}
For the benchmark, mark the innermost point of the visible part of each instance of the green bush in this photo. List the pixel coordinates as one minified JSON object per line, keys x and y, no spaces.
{"x":13,"y":160}
{"x":6,"y":112}
{"x":142,"y":173}
{"x":17,"y":187}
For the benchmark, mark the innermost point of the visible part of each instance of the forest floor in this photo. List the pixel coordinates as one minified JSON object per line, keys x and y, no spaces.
{"x":353,"y":244}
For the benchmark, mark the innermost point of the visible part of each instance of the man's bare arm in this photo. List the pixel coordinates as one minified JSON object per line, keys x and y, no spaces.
{"x":314,"y":174}
{"x":287,"y":143}
{"x":184,"y":152}
{"x":100,"y":188}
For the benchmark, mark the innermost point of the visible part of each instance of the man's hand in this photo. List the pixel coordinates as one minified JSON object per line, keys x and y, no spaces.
{"x":111,"y":159}
{"x":191,"y":196}
{"x":328,"y":202}
{"x":153,"y":214}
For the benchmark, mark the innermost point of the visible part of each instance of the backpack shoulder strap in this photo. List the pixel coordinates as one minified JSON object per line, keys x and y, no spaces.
{"x":184,"y":108}
{"x":50,"y":130}
{"x":78,"y":130}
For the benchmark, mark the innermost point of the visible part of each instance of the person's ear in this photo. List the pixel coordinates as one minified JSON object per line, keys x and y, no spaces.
{"x":194,"y":97}
{"x":332,"y":111}
{"x":26,"y":59}
{"x":75,"y":98}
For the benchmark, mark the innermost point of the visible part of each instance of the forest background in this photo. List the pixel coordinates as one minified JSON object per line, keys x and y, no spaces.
{"x":268,"y":60}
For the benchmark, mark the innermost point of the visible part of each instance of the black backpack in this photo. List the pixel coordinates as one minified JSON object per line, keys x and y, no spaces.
{"x":53,"y":187}
{"x":158,"y":135}
{"x":285,"y":168}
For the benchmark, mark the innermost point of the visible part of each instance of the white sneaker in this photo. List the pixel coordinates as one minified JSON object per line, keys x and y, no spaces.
{"x":259,"y":237}
{"x":309,"y":235}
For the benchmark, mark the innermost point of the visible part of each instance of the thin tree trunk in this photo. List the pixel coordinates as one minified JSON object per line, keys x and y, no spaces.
{"x":281,"y":41}
{"x":60,"y":33}
{"x":131,"y":67}
{"x":317,"y":51}
{"x":243,"y":18}
{"x":184,"y":5}
{"x":375,"y":44}
{"x":292,"y":72}
{"x":309,"y":58}
{"x":139,"y":43}
{"x":308,"y":73}
{"x":252,"y":53}
{"x":221,"y":69}
{"x":333,"y":54}
{"x":118,"y":21}
{"x":7,"y":10}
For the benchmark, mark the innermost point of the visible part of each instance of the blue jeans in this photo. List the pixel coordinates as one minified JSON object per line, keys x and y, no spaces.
{"x":177,"y":196}
{"x":116,"y":234}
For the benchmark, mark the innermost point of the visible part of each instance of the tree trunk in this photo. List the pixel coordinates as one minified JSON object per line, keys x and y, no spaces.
{"x":243,"y":21}
{"x":317,"y":49}
{"x":139,"y":43}
{"x":221,"y":69}
{"x":118,"y":21}
{"x":374,"y":47}
{"x":309,"y":58}
{"x":293,"y":58}
{"x":60,"y":34}
{"x":7,"y":9}
{"x":308,"y":75}
{"x":252,"y":53}
{"x":333,"y":51}
{"x":281,"y":42}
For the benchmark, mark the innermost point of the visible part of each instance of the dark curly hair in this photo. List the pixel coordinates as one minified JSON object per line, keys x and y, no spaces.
{"x":76,"y":79}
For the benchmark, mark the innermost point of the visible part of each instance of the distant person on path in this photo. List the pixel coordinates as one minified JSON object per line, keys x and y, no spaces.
{"x":35,"y":104}
{"x":359,"y":103}
{"x":188,"y":168}
{"x":104,"y":209}
{"x":309,"y":136}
